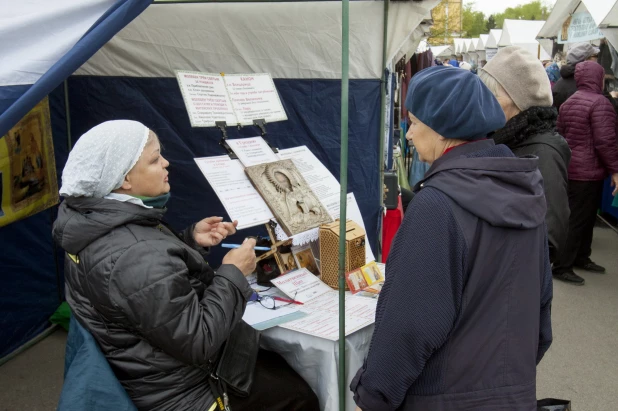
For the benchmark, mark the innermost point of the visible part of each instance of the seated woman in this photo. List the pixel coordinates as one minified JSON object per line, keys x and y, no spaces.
{"x":158,"y":311}
{"x":464,"y":316}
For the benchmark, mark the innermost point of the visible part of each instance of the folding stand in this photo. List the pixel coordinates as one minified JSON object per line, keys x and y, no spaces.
{"x":223,"y":143}
{"x":261,"y":124}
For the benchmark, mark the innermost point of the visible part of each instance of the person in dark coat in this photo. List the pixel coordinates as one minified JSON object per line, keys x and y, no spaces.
{"x":588,"y":122}
{"x":566,"y":87}
{"x":464,"y":315}
{"x":517,"y":79}
{"x":158,"y":311}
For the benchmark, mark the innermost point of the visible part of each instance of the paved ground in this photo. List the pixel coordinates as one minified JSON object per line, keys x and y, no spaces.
{"x":581,"y":365}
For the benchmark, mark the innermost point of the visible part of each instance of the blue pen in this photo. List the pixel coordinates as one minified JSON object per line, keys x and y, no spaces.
{"x":224,"y":245}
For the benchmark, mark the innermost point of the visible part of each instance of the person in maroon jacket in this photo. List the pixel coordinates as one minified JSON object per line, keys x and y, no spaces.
{"x":588,"y":122}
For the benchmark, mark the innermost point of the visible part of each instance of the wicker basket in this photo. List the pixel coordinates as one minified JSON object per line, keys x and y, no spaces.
{"x":329,"y":251}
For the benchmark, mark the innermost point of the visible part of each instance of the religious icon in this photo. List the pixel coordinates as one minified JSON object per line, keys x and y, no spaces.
{"x":295,"y":206}
{"x":27,"y":166}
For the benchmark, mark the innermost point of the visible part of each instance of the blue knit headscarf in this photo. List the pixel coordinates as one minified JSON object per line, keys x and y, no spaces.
{"x":454,"y":103}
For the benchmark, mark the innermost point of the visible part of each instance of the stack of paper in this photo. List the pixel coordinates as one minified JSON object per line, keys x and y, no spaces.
{"x":321,"y":303}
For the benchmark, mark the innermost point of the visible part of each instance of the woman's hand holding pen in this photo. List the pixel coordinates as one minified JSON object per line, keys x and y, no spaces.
{"x":242,"y":257}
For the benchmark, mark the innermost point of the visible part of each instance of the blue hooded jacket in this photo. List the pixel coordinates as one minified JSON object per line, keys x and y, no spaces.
{"x":464,"y":316}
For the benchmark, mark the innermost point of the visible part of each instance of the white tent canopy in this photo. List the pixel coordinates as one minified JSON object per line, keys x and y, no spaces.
{"x":466,"y":46}
{"x":480,"y":45}
{"x":522,"y":33}
{"x":609,"y":25}
{"x":287,"y":39}
{"x":442,"y":51}
{"x":28,"y":48}
{"x":604,"y":13}
{"x":493,"y":39}
{"x":459,"y":44}
{"x":472,"y":46}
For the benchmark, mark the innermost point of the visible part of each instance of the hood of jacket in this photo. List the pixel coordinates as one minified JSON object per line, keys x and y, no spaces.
{"x":567,"y":71}
{"x":590,"y":76}
{"x":81,"y":221}
{"x":488,"y":181}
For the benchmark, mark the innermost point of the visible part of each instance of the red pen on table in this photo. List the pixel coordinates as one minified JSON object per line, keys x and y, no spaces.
{"x":287,"y":301}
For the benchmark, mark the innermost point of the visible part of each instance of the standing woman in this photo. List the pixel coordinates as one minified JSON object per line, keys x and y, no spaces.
{"x":519,"y":83}
{"x":464,"y":315}
{"x":158,"y":311}
{"x":588,"y":122}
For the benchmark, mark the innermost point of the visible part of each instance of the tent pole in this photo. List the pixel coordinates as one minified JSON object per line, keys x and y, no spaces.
{"x":343,"y":199}
{"x":381,"y":164}
{"x":67,"y":112}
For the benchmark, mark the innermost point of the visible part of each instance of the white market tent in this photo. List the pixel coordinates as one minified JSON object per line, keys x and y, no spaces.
{"x":442,"y":51}
{"x":464,"y":49}
{"x":480,"y":46}
{"x":459,"y":45}
{"x":604,"y":13}
{"x":415,"y":42}
{"x":491,"y":46}
{"x":472,"y":51}
{"x":523,"y":33}
{"x":493,"y":39}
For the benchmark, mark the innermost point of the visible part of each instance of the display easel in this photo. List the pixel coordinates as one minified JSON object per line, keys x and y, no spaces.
{"x":221,"y":125}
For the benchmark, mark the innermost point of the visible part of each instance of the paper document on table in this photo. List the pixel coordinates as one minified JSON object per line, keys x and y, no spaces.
{"x":241,"y":201}
{"x":252,"y":151}
{"x":262,"y":318}
{"x":325,"y":326}
{"x":322,"y":306}
{"x":301,"y":285}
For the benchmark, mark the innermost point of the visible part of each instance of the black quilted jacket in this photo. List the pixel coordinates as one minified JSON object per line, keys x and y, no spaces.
{"x":158,"y":311}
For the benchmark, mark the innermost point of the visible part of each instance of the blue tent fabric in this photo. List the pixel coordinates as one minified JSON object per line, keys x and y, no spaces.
{"x":89,"y":382}
{"x":16,"y":101}
{"x":31,"y":285}
{"x":29,"y":291}
{"x":313,"y":109}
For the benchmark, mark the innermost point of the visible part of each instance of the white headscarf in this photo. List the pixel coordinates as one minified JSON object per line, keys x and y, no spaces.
{"x":102,"y":157}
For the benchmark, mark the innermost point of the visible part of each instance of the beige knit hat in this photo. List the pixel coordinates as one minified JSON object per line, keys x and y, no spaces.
{"x":522,"y":76}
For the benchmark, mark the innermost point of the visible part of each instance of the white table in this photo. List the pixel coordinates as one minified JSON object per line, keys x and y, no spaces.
{"x":316,"y":360}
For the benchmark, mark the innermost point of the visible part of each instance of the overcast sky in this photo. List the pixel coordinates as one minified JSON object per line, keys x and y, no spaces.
{"x":497,"y":6}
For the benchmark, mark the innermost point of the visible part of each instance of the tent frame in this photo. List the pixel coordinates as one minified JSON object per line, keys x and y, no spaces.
{"x":345,"y":56}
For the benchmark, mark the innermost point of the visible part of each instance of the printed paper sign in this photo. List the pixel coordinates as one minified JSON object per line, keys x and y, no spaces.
{"x":579,"y":27}
{"x":241,"y":201}
{"x":206,"y":98}
{"x":233,"y":98}
{"x":254,"y":96}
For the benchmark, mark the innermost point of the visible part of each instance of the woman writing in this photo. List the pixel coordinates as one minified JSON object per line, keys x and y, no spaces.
{"x":158,"y":311}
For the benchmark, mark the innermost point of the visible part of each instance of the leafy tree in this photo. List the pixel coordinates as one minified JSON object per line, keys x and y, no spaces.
{"x":473,"y":22}
{"x":534,"y":10}
{"x":490,"y":24}
{"x":451,"y":20}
